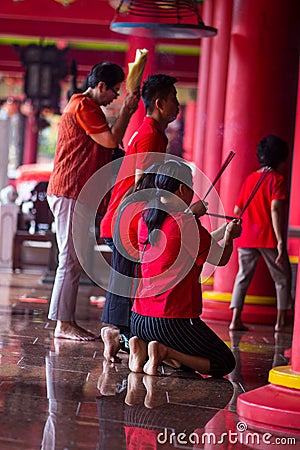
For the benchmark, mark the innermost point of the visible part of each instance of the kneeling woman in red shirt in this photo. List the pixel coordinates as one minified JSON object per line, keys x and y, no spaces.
{"x":165,"y":323}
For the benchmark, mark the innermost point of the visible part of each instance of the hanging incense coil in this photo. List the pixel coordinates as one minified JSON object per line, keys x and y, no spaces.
{"x":161,"y":18}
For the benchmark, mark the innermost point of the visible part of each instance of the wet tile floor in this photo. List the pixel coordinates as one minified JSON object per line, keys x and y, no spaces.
{"x":56,"y":394}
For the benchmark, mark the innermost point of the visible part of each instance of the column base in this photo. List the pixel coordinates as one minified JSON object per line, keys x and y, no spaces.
{"x":284,"y":376}
{"x":271,"y":406}
{"x":257,"y":310}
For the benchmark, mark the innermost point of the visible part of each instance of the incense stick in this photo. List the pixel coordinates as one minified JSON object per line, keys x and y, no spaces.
{"x":255,"y":189}
{"x":222,"y":216}
{"x":221,"y":170}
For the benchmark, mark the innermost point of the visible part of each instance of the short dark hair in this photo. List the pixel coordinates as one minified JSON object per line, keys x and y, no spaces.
{"x":272,"y":151}
{"x":106,"y":71}
{"x":156,"y":86}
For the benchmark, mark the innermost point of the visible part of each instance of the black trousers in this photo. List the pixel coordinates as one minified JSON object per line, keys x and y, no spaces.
{"x":117,"y":308}
{"x":189,"y":336}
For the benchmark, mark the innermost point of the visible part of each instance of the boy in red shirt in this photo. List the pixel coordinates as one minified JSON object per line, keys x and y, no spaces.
{"x":263,"y":235}
{"x":160,"y":99}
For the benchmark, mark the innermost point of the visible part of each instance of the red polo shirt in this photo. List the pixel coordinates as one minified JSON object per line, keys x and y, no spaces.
{"x":257,"y":221}
{"x":150,"y":137}
{"x":171,"y":268}
{"x":128,"y":227}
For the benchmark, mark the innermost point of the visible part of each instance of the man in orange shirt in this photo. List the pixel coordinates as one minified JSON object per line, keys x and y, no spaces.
{"x":85,"y":143}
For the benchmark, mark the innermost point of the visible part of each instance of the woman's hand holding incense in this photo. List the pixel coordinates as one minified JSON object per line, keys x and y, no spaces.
{"x":199,"y":208}
{"x":233,"y":230}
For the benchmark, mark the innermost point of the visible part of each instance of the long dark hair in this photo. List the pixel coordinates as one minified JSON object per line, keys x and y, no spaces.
{"x":169,"y":177}
{"x":143,"y":192}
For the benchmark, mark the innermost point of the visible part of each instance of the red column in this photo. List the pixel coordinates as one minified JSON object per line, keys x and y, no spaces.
{"x":217,"y":88}
{"x":203,"y":83}
{"x":31,"y":139}
{"x":276,"y":405}
{"x":296,"y":331}
{"x":189,"y":126}
{"x":294,"y":220}
{"x":214,"y":130}
{"x":134,"y":43}
{"x":261,"y":92}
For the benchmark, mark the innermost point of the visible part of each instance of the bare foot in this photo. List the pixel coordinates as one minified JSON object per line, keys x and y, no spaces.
{"x":70,"y":330}
{"x":235,"y":338}
{"x":238,"y":326}
{"x":135,"y":389}
{"x":86,"y":332}
{"x":137,"y":355}
{"x":155,"y":393}
{"x":104,"y":385}
{"x":157,"y":354}
{"x":111,"y":339}
{"x":64,"y":347}
{"x":283,"y":328}
{"x":110,"y":379}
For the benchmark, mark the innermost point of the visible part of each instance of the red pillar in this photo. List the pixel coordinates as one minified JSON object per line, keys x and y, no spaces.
{"x":277,"y":405}
{"x":296,"y":331}
{"x":189,"y":126}
{"x":134,"y":43}
{"x":294,"y":219}
{"x":31,"y":139}
{"x":203,"y":83}
{"x":260,"y":99}
{"x":214,"y":132}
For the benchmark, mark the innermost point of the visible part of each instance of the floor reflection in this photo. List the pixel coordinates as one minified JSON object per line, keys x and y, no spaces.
{"x":63,"y":394}
{"x":56,"y":394}
{"x":169,"y":410}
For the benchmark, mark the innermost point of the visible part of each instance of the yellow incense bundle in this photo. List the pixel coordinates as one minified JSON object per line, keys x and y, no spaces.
{"x":136,"y":69}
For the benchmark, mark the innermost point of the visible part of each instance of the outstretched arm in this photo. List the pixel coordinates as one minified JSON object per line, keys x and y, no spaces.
{"x":198,"y":208}
{"x":219,"y":233}
{"x":219,"y":255}
{"x":113,"y":137}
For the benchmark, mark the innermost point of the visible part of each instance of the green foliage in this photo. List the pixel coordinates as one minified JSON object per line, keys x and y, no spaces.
{"x":48,"y":138}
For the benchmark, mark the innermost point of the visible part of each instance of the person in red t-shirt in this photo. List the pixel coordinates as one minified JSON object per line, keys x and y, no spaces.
{"x":145,"y":146}
{"x":85,"y":144}
{"x":264,"y":235}
{"x":165,"y":322}
{"x":125,"y":261}
{"x":162,"y":107}
{"x":124,"y":267}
